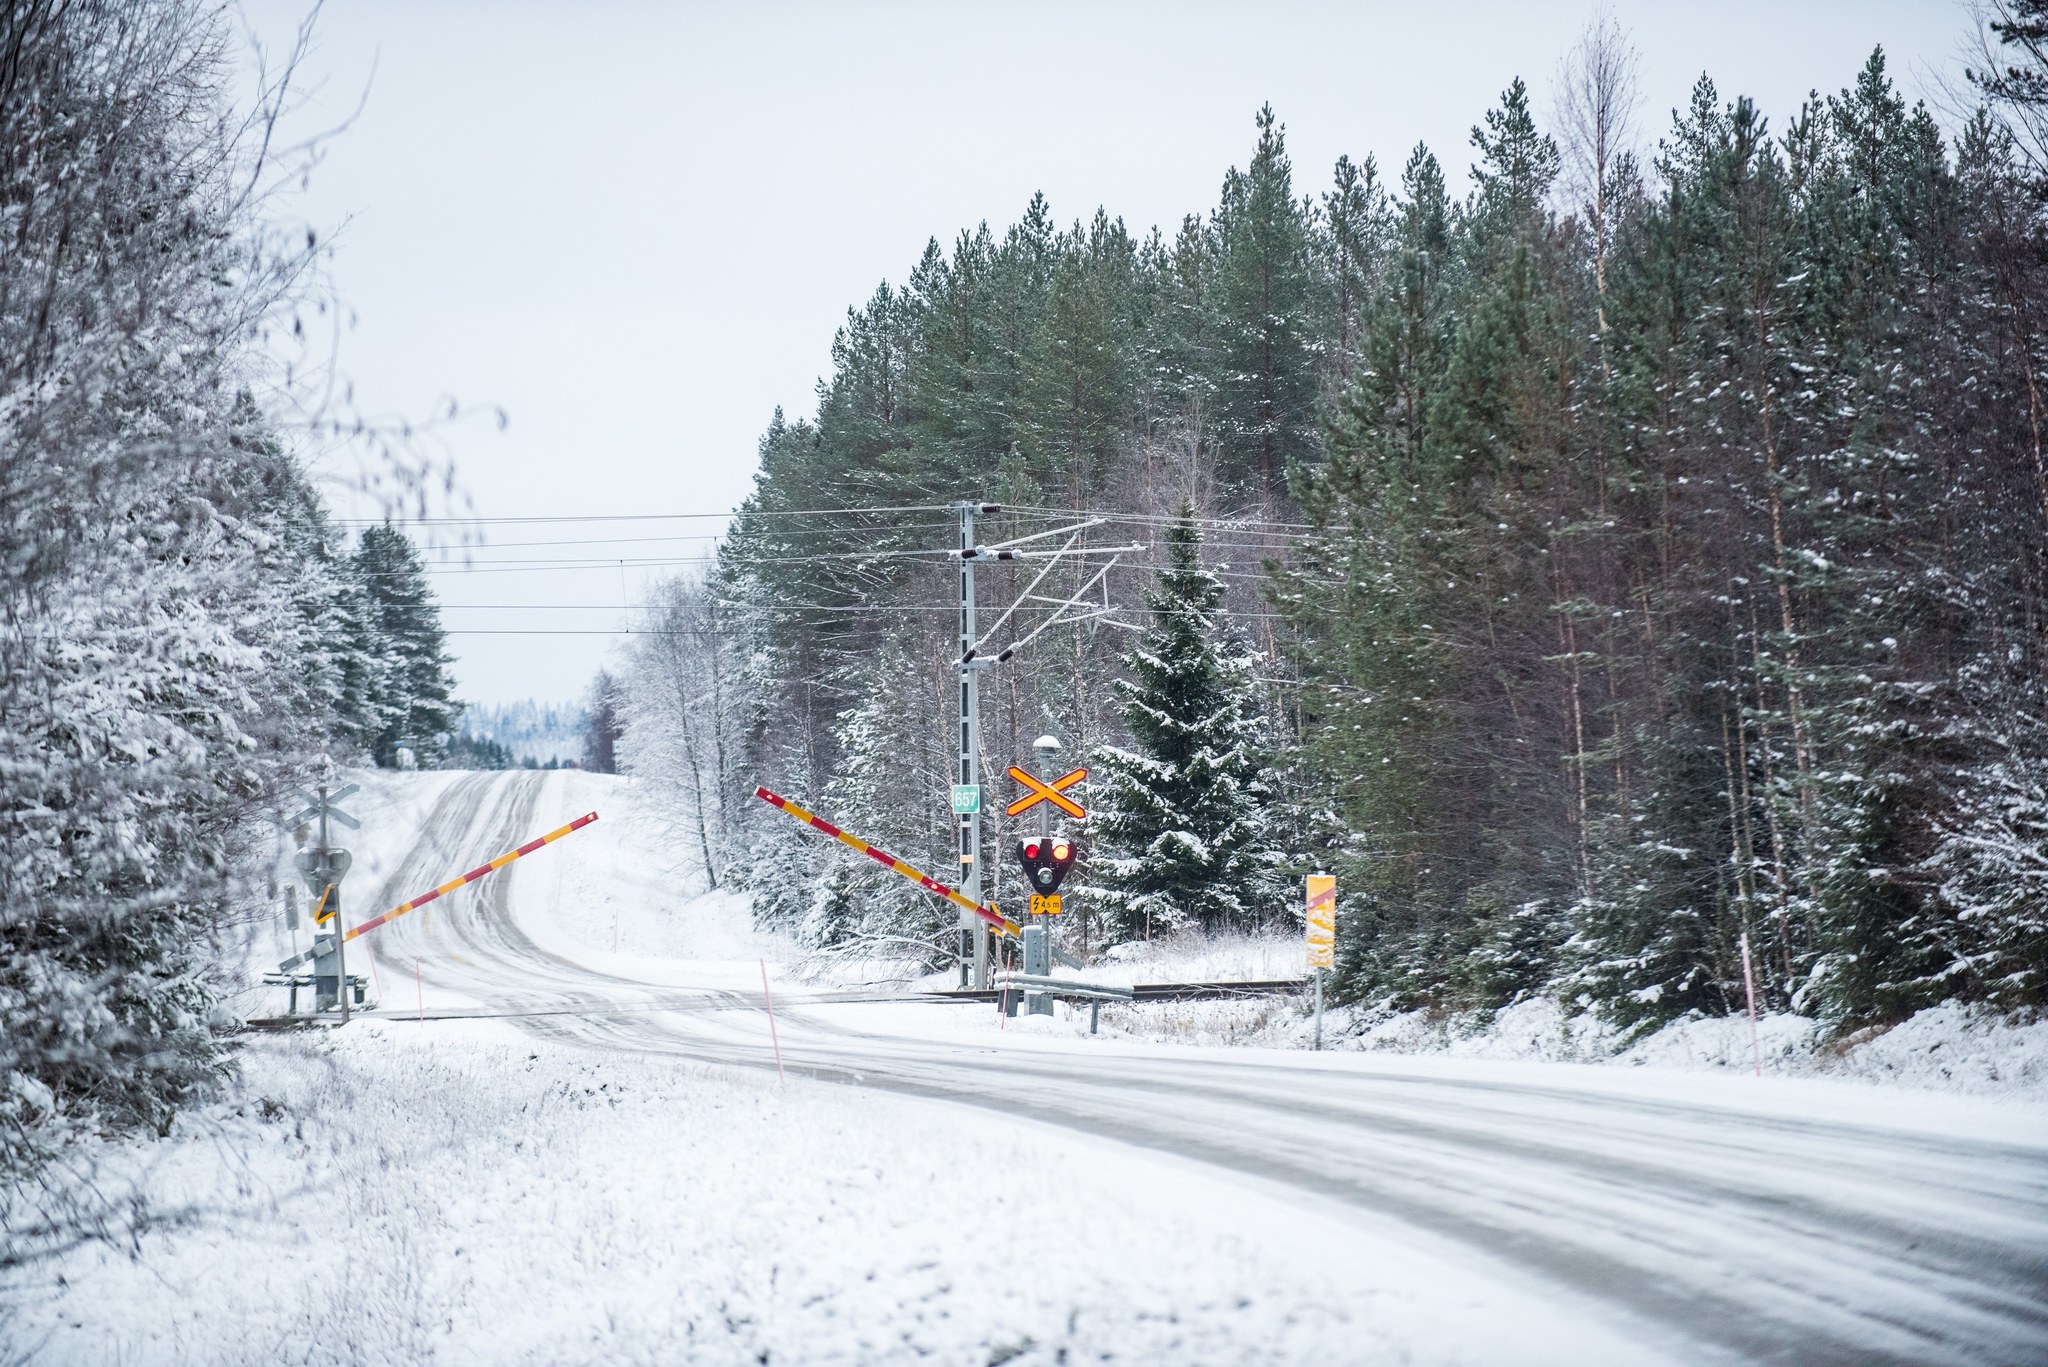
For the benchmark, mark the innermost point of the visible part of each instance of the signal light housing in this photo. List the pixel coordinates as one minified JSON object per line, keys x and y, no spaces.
{"x":1046,"y":863}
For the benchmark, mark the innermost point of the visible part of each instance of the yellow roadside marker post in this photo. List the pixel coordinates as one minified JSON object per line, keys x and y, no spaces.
{"x":1321,"y":936}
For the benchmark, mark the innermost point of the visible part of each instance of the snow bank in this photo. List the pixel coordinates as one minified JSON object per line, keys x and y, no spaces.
{"x":1196,"y":958}
{"x":1181,"y":959}
{"x":1949,"y":1048}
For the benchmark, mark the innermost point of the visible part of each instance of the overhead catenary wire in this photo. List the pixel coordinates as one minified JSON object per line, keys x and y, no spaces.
{"x":1077,"y":528}
{"x":571,"y":564}
{"x":933,"y":607}
{"x":825,"y":609}
{"x":454,"y":521}
{"x":1225,"y":520}
{"x":864,"y":567}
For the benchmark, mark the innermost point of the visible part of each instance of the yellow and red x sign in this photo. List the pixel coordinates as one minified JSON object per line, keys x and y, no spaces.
{"x":1037,"y":792}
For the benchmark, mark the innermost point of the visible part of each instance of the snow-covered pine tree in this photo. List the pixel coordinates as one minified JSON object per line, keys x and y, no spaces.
{"x":414,"y":693}
{"x":1182,"y":831}
{"x":152,"y":697}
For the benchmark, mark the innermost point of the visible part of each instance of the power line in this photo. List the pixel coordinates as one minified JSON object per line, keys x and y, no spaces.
{"x":635,"y":517}
{"x":1165,"y":519}
{"x":1008,"y":510}
{"x":721,"y":631}
{"x":824,"y":609}
{"x":594,"y":561}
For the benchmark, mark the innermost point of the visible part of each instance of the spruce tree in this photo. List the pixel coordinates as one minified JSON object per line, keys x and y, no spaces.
{"x":414,"y":694}
{"x":1182,"y":822}
{"x":1266,"y":387}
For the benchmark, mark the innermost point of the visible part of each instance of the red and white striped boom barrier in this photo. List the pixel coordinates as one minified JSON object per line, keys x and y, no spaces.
{"x":998,"y":922}
{"x":451,"y":885}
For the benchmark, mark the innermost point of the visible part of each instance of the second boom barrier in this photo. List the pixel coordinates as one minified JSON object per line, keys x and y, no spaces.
{"x":450,"y":886}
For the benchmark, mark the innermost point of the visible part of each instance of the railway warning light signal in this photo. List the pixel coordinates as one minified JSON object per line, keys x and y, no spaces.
{"x":1046,"y":863}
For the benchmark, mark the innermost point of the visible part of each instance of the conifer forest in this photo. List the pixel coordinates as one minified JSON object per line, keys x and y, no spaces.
{"x":1641,"y":552}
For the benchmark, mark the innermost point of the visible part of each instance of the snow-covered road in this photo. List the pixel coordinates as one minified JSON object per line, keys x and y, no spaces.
{"x":1709,"y":1219}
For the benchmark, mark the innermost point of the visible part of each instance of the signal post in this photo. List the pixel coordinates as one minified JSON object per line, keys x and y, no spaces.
{"x":973,"y":926}
{"x":967,"y":791}
{"x":1319,"y":934}
{"x":1046,"y":860}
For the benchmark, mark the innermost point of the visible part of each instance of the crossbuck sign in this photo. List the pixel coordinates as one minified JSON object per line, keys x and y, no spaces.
{"x":1055,"y":792}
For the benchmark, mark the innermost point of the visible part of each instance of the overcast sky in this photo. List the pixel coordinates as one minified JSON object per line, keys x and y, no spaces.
{"x":636,"y":229}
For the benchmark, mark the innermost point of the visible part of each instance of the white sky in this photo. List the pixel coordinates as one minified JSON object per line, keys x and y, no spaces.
{"x":637,"y":229}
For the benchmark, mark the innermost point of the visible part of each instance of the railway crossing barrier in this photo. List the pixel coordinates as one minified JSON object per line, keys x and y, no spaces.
{"x":329,"y":948}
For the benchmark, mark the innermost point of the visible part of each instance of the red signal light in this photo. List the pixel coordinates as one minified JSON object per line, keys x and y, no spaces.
{"x":1047,"y":859}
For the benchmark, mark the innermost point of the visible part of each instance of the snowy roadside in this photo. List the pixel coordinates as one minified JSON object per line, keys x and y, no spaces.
{"x":612,"y":899}
{"x":1950,"y":1048}
{"x":460,"y":1193}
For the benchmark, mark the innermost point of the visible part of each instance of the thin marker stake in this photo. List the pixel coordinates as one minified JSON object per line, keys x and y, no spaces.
{"x":1756,"y":1047}
{"x":419,"y":989}
{"x":772,"y":1037}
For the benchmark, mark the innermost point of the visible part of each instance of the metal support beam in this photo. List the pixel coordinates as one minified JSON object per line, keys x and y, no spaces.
{"x":970,"y":764}
{"x":340,"y":940}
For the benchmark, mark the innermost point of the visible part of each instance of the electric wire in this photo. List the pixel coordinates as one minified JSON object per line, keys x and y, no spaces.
{"x":454,"y":521}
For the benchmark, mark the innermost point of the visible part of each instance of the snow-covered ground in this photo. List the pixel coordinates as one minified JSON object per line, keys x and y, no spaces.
{"x":460,"y":1193}
{"x":1949,"y":1048}
{"x":576,"y":1183}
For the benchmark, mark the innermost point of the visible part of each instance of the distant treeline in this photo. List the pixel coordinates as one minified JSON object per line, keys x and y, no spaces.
{"x":524,"y":734}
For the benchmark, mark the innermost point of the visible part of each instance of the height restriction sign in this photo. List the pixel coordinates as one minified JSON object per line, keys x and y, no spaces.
{"x":1322,"y":921}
